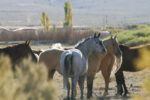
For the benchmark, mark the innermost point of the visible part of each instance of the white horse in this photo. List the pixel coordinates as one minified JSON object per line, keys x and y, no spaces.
{"x":74,"y":62}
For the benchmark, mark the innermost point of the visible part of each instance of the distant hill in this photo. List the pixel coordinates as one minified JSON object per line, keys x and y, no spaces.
{"x":85,"y":12}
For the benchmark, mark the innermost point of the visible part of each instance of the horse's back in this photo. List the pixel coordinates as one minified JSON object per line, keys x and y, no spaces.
{"x":52,"y":53}
{"x":50,"y":57}
{"x":77,"y":55}
{"x":129,"y":55}
{"x":79,"y":63}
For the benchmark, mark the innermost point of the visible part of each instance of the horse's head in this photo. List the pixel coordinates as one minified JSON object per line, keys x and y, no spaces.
{"x":113,"y":46}
{"x":24,"y":51}
{"x":97,"y":44}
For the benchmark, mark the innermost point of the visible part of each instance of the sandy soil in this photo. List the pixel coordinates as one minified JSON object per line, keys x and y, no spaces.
{"x":133,"y":82}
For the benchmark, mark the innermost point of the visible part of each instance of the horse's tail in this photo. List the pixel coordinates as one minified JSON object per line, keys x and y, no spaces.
{"x":117,"y":64}
{"x":57,"y":46}
{"x":67,"y":68}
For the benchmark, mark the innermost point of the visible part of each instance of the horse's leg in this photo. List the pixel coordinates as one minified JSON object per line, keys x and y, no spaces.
{"x":79,"y":82}
{"x":119,"y":79}
{"x":75,"y":93}
{"x":90,"y":79}
{"x":124,"y":85}
{"x":106,"y":76}
{"x":82,"y":85}
{"x":74,"y":82}
{"x":125,"y":89}
{"x":51,"y":74}
{"x":68,"y":90}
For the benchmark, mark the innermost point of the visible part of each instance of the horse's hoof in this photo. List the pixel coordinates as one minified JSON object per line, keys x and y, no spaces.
{"x":118,"y":94}
{"x":82,"y":98}
{"x":125,"y":94}
{"x":105,"y":94}
{"x":89,"y":96}
{"x":73,"y":98}
{"x":67,"y":98}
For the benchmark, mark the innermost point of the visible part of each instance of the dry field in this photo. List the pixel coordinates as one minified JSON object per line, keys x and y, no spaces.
{"x":133,"y":81}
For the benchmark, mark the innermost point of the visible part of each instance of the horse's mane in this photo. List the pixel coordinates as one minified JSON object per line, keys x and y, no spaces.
{"x":82,"y":42}
{"x":123,"y":46}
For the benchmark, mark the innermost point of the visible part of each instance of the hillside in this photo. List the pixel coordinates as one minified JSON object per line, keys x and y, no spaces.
{"x":85,"y":12}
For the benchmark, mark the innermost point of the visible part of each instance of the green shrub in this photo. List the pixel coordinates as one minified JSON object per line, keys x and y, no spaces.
{"x":134,"y":37}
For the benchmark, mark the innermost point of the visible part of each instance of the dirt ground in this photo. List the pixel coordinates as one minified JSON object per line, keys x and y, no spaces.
{"x":133,"y":82}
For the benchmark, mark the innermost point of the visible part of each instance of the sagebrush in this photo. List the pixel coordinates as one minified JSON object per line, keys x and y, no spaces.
{"x":28,"y":82}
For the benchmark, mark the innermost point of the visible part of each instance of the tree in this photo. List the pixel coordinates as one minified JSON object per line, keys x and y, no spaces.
{"x":45,"y":22}
{"x":68,"y":14}
{"x":54,"y":28}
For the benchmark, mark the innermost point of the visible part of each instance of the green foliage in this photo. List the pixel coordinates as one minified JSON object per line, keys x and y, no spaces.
{"x":45,"y":22}
{"x":135,"y":37}
{"x":30,"y":82}
{"x":68,"y":14}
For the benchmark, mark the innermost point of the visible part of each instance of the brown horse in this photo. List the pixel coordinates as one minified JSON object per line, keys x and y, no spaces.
{"x":96,"y":62}
{"x":103,"y":63}
{"x":17,"y":52}
{"x":129,"y":55}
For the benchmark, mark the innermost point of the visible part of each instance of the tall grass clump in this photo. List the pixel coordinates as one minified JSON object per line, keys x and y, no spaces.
{"x":28,"y":82}
{"x":143,"y":62}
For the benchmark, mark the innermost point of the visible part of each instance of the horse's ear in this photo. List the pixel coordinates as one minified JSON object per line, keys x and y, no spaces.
{"x":99,"y":34}
{"x":111,"y":36}
{"x":115,"y":36}
{"x":95,"y":35}
{"x":27,"y":42}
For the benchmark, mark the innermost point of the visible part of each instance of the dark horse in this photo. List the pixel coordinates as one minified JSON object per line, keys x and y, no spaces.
{"x":17,"y":52}
{"x":129,"y":55}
